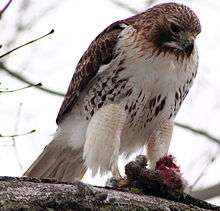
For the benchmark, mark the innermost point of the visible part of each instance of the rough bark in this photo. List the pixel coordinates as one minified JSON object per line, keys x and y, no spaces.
{"x":35,"y":194}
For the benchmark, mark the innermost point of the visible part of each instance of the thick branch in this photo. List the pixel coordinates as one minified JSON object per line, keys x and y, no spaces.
{"x":33,"y":194}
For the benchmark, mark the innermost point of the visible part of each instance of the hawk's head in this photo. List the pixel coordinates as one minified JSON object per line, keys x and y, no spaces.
{"x":172,"y":28}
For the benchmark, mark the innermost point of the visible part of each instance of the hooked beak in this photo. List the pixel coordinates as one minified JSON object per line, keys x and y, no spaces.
{"x":187,"y":44}
{"x":184,"y":44}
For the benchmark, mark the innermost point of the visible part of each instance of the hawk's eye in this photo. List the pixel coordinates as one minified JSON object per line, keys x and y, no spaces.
{"x":175,"y":28}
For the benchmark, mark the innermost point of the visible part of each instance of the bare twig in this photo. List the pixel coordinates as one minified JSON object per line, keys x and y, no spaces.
{"x":13,"y":138}
{"x":125,"y":6}
{"x":32,"y":41}
{"x":204,"y":171}
{"x":207,"y":193}
{"x":43,"y":13}
{"x":22,"y":26}
{"x":5,"y":8}
{"x":129,"y":8}
{"x":15,"y":90}
{"x":199,"y":132}
{"x":150,"y":2}
{"x":25,"y":80}
{"x":16,"y":135}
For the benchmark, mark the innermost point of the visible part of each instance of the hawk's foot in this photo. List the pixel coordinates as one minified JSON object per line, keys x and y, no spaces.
{"x":111,"y":182}
{"x":117,"y":183}
{"x":166,"y":178}
{"x":120,"y":182}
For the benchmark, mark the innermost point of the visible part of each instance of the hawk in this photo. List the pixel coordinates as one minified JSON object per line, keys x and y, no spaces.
{"x":125,"y":93}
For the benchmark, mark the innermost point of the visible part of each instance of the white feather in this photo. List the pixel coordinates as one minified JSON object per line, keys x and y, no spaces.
{"x":102,"y":145}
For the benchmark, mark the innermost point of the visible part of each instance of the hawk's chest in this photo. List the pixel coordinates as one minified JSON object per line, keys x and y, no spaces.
{"x":158,"y":85}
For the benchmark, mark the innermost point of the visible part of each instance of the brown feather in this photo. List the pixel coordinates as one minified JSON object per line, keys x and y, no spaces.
{"x":100,"y":52}
{"x":62,"y":164}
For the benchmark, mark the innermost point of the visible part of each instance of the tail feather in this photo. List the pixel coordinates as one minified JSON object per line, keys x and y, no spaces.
{"x":60,"y":163}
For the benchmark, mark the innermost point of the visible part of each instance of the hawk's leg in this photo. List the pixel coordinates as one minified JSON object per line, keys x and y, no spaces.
{"x":102,"y":144}
{"x":115,"y":171}
{"x":159,"y":142}
{"x":117,"y":180}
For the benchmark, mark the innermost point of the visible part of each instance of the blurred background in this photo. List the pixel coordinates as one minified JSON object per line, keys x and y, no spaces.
{"x":51,"y":61}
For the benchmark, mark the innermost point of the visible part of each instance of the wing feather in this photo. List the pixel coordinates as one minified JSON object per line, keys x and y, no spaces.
{"x":100,"y":52}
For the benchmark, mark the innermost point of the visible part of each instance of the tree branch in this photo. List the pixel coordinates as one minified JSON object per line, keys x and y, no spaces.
{"x":28,"y":43}
{"x":39,"y":194}
{"x":16,"y":90}
{"x":129,"y":8}
{"x":14,"y":144}
{"x":150,"y":2}
{"x":204,"y":170}
{"x":125,"y":6}
{"x":207,"y":193}
{"x":25,"y":80}
{"x":199,"y":132}
{"x":5,"y":8}
{"x":16,"y":135}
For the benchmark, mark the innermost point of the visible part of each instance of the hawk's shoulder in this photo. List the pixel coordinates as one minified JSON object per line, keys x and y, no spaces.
{"x":100,"y":52}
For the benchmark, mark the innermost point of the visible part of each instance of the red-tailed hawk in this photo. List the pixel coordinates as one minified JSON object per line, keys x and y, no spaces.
{"x":125,"y":93}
